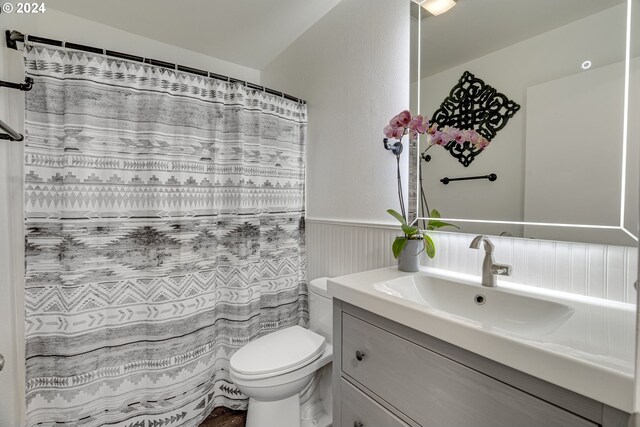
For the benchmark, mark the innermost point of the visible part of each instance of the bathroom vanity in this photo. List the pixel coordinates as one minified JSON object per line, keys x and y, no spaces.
{"x":388,"y":372}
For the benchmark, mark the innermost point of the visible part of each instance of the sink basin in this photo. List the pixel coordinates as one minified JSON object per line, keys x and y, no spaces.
{"x":580,"y":343}
{"x":493,"y":308}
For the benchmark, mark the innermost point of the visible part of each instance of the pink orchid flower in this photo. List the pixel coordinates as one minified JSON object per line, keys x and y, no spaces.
{"x":398,"y":125}
{"x":405,"y":118}
{"x":449,"y":133}
{"x":482,"y":142}
{"x":467,"y":135}
{"x":477,"y":140}
{"x":413,"y":135}
{"x":418,"y":124}
{"x":401,"y":120}
{"x":438,"y":138}
{"x":458,"y":136}
{"x":473,"y":137}
{"x":391,"y":131}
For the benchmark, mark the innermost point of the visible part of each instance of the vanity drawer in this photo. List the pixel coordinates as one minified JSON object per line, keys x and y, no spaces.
{"x":436,"y":391}
{"x":358,"y":410}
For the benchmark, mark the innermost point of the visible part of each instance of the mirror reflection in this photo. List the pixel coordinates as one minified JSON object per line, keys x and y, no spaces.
{"x":541,"y":84}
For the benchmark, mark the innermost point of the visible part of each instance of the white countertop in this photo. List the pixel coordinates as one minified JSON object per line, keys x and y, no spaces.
{"x":591,"y":354}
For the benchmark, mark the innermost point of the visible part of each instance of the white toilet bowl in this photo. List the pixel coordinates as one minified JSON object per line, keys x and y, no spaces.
{"x":274,"y":369}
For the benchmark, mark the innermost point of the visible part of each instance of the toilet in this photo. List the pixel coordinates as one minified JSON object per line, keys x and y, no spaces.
{"x":287,"y":374}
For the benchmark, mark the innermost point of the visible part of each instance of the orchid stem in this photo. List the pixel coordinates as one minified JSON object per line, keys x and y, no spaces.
{"x":423,"y":197}
{"x":400,"y":196}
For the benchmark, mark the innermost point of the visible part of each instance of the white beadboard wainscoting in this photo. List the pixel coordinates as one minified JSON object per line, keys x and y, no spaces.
{"x":336,"y":248}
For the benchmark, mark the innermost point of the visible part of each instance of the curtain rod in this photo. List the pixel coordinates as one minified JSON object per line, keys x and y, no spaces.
{"x":12,"y":37}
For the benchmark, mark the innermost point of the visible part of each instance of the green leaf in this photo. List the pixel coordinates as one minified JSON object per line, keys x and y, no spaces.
{"x":435,"y":214}
{"x":435,"y":224}
{"x":409,"y":230}
{"x":397,"y":216}
{"x":430,"y":247}
{"x":398,"y":246}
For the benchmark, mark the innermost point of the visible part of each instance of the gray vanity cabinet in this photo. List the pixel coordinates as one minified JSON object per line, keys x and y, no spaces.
{"x":388,"y":375}
{"x":358,"y":410}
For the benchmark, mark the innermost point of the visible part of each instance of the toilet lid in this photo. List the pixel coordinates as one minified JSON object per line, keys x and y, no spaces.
{"x":281,"y":351}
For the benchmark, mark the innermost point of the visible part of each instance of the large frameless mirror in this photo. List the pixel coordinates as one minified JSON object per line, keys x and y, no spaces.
{"x":529,"y":106}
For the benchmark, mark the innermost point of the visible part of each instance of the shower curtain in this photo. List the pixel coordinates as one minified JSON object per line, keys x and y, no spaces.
{"x":164,"y":230}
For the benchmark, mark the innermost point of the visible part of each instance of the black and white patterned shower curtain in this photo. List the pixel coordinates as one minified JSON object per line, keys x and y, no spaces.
{"x":164,"y":230}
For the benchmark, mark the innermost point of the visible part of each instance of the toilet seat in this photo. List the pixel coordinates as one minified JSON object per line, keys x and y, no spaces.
{"x":275,"y":380}
{"x":277,"y":353}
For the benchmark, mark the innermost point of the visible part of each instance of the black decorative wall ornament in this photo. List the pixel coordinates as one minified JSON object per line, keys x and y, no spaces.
{"x":473,"y":104}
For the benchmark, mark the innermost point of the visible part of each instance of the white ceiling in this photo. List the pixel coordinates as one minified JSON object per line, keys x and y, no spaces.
{"x":246,"y":32}
{"x":489,"y":25}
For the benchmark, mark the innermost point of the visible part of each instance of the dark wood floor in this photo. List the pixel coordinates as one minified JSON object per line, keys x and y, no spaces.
{"x":223,"y":417}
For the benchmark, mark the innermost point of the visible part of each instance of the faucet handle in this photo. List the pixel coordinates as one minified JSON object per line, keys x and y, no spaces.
{"x":501,"y":269}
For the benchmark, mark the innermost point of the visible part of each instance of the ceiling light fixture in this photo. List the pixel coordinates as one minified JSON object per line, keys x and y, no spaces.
{"x":437,"y":7}
{"x":586,"y":65}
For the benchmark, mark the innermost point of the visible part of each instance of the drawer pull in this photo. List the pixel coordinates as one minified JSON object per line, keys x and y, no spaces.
{"x":359,"y":356}
{"x":358,"y":424}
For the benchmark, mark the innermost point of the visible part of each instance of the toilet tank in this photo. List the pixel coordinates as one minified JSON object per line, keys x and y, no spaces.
{"x":321,"y":309}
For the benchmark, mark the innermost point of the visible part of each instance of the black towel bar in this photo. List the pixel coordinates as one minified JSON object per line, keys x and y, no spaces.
{"x":11,"y":134}
{"x":491,"y":177}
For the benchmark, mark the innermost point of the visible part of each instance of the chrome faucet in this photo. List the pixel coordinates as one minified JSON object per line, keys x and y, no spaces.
{"x":489,"y":268}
